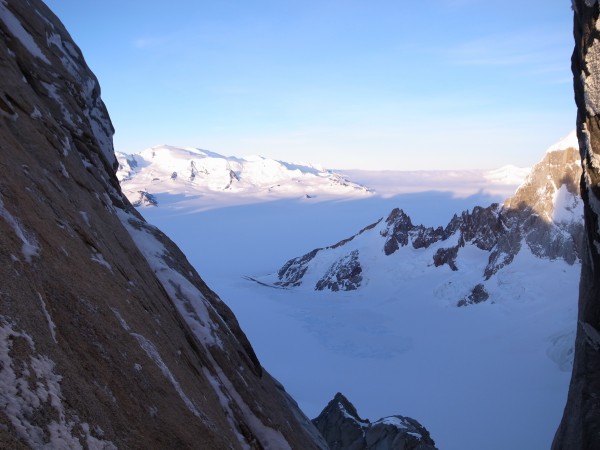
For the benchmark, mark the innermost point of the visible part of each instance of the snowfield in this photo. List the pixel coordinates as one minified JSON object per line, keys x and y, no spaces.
{"x":490,"y":376}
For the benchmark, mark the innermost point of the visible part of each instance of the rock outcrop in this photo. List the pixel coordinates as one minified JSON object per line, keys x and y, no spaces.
{"x":580,"y":425}
{"x":108,"y":336}
{"x":343,"y":429}
{"x":544,"y":215}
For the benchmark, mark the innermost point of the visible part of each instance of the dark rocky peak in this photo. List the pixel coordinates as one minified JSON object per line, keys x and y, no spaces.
{"x":397,"y":231}
{"x":479,"y":226}
{"x":108,"y":336}
{"x":343,"y":429}
{"x":400,"y":231}
{"x":399,"y":220}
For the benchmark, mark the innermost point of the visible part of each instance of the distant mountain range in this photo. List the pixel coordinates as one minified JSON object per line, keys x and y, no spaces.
{"x":542,"y":219}
{"x":167,"y":169}
{"x":164,"y":170}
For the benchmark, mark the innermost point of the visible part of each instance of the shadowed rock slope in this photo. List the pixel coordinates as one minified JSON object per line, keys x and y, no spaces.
{"x":580,"y":425}
{"x":108,"y":337}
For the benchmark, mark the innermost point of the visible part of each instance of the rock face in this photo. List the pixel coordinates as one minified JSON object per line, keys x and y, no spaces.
{"x":580,"y":425}
{"x":108,"y":337}
{"x":343,"y":429}
{"x":544,"y":216}
{"x":343,"y":275}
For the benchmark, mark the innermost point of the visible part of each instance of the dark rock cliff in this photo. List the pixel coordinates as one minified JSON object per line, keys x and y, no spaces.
{"x":108,"y":336}
{"x":580,"y":425}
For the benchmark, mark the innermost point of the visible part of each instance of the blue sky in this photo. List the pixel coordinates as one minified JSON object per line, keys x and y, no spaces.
{"x":377,"y":84}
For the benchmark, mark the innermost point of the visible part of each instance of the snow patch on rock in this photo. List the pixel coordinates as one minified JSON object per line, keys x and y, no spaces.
{"x":122,"y":321}
{"x":189,"y":301}
{"x":31,"y":397}
{"x":53,"y":93}
{"x":51,"y":325}
{"x":270,"y":438}
{"x":153,"y":354}
{"x":30,"y":247}
{"x":16,"y":28}
{"x":97,"y":257}
{"x":568,"y":207}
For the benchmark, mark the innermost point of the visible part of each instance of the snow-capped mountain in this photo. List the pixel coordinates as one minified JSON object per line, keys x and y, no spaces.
{"x":542,"y":220}
{"x":170,"y":170}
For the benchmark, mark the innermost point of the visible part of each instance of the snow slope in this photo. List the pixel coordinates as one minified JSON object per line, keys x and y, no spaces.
{"x":570,"y":140}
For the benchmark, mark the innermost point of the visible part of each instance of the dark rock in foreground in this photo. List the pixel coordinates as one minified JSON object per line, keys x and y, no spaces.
{"x":108,"y":336}
{"x":343,"y":429}
{"x":580,"y":425}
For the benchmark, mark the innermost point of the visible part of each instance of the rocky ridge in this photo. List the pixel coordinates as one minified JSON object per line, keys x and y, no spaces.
{"x":108,"y":336}
{"x":544,"y":216}
{"x":343,"y":429}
